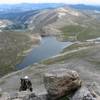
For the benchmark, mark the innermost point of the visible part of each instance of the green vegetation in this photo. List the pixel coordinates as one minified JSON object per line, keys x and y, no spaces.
{"x":2,"y":82}
{"x":76,"y":46}
{"x":70,"y":32}
{"x":0,"y":94}
{"x":89,"y":33}
{"x":73,"y":29}
{"x":12,"y":47}
{"x":63,"y":58}
{"x":64,"y":98}
{"x":77,"y":32}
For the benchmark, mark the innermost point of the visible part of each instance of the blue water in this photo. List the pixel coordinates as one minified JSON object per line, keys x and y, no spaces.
{"x":48,"y":47}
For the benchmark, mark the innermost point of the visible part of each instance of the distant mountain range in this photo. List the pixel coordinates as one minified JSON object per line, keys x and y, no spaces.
{"x":50,"y":18}
{"x":37,"y":6}
{"x":28,"y":6}
{"x":86,"y":7}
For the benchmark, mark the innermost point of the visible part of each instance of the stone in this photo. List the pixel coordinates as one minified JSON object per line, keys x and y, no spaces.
{"x":61,"y":82}
{"x":94,"y":86}
{"x":83,"y":94}
{"x":24,"y":95}
{"x":32,"y":96}
{"x":5,"y":96}
{"x":43,"y":97}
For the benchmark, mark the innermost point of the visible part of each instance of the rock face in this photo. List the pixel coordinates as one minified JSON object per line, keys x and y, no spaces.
{"x":61,"y":82}
{"x":84,"y":94}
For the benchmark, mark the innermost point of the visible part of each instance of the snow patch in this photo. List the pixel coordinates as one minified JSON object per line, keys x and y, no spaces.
{"x":60,"y":15}
{"x":63,"y":12}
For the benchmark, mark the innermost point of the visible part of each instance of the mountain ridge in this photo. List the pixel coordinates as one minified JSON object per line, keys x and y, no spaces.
{"x":36,"y":6}
{"x":53,"y":21}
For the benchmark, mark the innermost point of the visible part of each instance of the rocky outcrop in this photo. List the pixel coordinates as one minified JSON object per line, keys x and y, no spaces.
{"x":84,"y":94}
{"x":25,"y":95}
{"x":61,"y":82}
{"x":94,"y":87}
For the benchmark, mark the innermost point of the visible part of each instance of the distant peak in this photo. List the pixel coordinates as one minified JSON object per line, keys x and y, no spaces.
{"x":67,"y":10}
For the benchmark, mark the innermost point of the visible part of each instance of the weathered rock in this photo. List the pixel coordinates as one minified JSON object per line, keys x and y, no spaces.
{"x":83,"y":94}
{"x":25,"y":95}
{"x":94,"y":86}
{"x":43,"y":97}
{"x":61,"y":82}
{"x":31,"y":97}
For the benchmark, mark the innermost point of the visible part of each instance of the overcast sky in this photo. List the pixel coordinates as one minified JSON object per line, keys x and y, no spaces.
{"x":95,"y":2}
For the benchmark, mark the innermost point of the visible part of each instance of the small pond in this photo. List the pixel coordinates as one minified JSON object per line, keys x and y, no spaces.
{"x":48,"y":47}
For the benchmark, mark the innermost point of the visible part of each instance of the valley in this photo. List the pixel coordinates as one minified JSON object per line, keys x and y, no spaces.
{"x":48,"y":47}
{"x":39,"y":40}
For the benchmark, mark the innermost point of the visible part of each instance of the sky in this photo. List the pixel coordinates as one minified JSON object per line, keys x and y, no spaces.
{"x":93,"y":2}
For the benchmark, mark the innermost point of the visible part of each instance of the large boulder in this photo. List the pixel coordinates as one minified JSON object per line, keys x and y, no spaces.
{"x":84,"y":94}
{"x":61,"y":82}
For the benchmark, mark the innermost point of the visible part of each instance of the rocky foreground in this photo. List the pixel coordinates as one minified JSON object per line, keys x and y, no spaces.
{"x":61,"y":84}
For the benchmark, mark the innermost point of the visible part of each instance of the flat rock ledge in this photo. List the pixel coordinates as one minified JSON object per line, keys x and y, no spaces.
{"x":61,"y":84}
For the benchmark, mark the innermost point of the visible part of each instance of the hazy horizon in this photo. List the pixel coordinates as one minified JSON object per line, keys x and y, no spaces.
{"x":46,"y":3}
{"x":87,"y":2}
